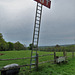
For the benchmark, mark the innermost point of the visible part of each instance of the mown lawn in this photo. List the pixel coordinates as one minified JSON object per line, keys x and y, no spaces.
{"x":44,"y":69}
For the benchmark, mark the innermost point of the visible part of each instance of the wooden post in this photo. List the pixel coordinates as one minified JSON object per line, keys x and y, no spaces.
{"x":37,"y":62}
{"x":72,"y":54}
{"x":54,"y":57}
{"x":64,"y":53}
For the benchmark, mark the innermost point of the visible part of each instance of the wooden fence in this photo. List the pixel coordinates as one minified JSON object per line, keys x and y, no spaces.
{"x":54,"y":54}
{"x":26,"y":58}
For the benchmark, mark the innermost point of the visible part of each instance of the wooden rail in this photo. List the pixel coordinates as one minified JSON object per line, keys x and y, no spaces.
{"x":25,"y":57}
{"x":26,"y":65}
{"x":16,"y":67}
{"x":15,"y":58}
{"x":46,"y":61}
{"x":45,"y":55}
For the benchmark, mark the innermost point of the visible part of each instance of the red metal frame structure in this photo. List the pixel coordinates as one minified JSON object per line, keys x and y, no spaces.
{"x":34,"y":55}
{"x":46,"y":3}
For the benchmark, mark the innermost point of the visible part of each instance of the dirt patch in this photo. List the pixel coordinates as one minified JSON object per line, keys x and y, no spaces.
{"x":1,"y":54}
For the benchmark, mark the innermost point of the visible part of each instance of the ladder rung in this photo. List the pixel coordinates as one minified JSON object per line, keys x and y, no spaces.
{"x":37,"y":23}
{"x":33,"y":64}
{"x":34,"y":52}
{"x":38,"y":16}
{"x":33,"y":67}
{"x":34,"y":48}
{"x":36,"y":34}
{"x":37,"y":27}
{"x":38,"y":13}
{"x":33,"y":59}
{"x":35,"y":38}
{"x":33,"y":56}
{"x":36,"y":30}
{"x":35,"y":44}
{"x":39,"y":9}
{"x":37,"y":20}
{"x":35,"y":41}
{"x":39,"y":5}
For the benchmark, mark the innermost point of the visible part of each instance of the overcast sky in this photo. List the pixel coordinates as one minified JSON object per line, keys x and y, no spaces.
{"x":57,"y":24}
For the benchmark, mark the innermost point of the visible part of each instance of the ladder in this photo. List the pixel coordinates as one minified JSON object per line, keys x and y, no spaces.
{"x":33,"y":60}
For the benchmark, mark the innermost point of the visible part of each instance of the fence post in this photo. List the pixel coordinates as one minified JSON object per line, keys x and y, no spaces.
{"x":36,"y":61}
{"x":72,"y":54}
{"x":54,"y":56}
{"x":64,"y":53}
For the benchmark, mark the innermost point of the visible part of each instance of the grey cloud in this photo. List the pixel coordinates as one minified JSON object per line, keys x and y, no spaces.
{"x":57,"y":26}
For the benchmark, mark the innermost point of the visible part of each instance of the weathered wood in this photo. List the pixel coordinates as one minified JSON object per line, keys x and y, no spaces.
{"x":16,"y":58}
{"x":45,"y":55}
{"x":64,"y":53}
{"x":28,"y":65}
{"x":17,"y":67}
{"x":46,"y":61}
{"x":36,"y":61}
{"x":72,"y":54}
{"x":24,"y":57}
{"x":54,"y":57}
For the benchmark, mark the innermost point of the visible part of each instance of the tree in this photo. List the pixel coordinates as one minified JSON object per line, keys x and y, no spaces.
{"x":19,"y":46}
{"x":3,"y":43}
{"x":30,"y":47}
{"x":1,"y":36}
{"x":11,"y":46}
{"x":57,"y":46}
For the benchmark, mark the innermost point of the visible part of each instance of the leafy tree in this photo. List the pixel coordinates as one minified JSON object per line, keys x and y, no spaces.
{"x":19,"y":46}
{"x":57,"y":46}
{"x":11,"y":46}
{"x":3,"y":43}
{"x":30,"y":47}
{"x":1,"y":36}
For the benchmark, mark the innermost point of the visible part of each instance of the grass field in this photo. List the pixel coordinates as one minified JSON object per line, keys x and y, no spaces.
{"x":44,"y":69}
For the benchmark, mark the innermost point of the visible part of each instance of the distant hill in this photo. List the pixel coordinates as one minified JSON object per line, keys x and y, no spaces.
{"x":55,"y":45}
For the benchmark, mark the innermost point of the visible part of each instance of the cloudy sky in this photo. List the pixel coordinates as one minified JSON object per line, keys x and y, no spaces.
{"x":57,"y":25}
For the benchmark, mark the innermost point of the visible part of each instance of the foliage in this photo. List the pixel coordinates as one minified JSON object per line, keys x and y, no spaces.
{"x":19,"y":46}
{"x":3,"y":43}
{"x":11,"y":46}
{"x":58,"y":48}
{"x":30,"y":47}
{"x":7,"y":46}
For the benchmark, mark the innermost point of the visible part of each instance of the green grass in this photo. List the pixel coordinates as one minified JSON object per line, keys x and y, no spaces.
{"x":54,"y":69}
{"x":44,"y":69}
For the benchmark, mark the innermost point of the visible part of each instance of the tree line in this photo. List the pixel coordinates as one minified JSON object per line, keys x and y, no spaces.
{"x":7,"y":46}
{"x":58,"y":48}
